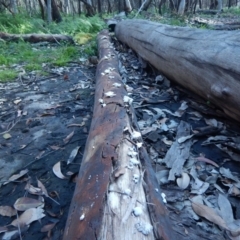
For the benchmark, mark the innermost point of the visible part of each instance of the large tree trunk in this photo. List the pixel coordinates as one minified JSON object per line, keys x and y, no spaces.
{"x":204,"y":61}
{"x":115,"y":175}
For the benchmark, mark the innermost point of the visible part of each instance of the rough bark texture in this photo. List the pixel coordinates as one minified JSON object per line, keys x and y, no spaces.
{"x":56,"y":16}
{"x":34,"y":38}
{"x":110,"y":182}
{"x":204,"y":61}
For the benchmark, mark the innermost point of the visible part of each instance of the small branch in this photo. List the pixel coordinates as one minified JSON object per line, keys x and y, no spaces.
{"x":140,"y":9}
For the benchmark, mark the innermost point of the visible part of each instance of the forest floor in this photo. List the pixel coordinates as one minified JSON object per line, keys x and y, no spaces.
{"x":44,"y":123}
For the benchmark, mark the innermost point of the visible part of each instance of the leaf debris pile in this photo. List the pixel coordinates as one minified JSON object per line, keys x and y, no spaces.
{"x":194,"y":151}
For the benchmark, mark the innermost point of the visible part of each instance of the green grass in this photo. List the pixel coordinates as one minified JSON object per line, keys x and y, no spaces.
{"x":232,"y":10}
{"x":6,"y":75}
{"x":32,"y":57}
{"x":33,"y":67}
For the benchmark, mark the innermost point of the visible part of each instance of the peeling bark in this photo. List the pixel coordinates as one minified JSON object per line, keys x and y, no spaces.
{"x":204,"y":61}
{"x":110,"y":188}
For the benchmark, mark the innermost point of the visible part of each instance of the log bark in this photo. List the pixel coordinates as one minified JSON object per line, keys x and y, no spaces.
{"x":110,"y":182}
{"x":204,"y":61}
{"x":34,"y":38}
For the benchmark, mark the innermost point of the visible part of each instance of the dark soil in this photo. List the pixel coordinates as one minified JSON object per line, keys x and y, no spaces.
{"x":38,"y":126}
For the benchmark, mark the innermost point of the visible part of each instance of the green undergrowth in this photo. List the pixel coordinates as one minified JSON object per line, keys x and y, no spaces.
{"x":232,"y":10}
{"x":7,"y":75}
{"x":32,"y":57}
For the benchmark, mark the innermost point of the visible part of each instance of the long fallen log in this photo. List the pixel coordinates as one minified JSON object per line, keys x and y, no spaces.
{"x":35,"y":38}
{"x":116,"y":196}
{"x":205,"y":61}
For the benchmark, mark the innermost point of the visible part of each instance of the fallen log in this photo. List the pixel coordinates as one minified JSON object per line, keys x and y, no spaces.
{"x":216,"y":25}
{"x":209,"y":11}
{"x":116,"y":196}
{"x":35,"y":38}
{"x":204,"y":61}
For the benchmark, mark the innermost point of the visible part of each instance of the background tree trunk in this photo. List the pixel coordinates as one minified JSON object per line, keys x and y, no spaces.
{"x":66,"y":6}
{"x":49,"y":11}
{"x":99,"y":6}
{"x":181,"y":7}
{"x":220,"y":5}
{"x":56,"y":16}
{"x":14,"y":6}
{"x":42,"y":8}
{"x":204,"y":61}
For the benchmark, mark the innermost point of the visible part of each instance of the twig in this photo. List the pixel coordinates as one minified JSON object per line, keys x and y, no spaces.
{"x":140,"y":9}
{"x":85,"y":75}
{"x":38,"y":159}
{"x":19,"y":229}
{"x":10,"y":127}
{"x":53,"y":200}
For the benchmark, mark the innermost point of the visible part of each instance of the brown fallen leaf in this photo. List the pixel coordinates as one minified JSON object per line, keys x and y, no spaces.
{"x":57,"y":170}
{"x":203,"y":159}
{"x":3,"y":229}
{"x":42,"y":187}
{"x":7,"y":211}
{"x":234,"y":191}
{"x":69,"y":173}
{"x":40,"y":155}
{"x":54,"y":107}
{"x":29,"y":216}
{"x":22,"y":147}
{"x":53,"y":147}
{"x":16,"y":176}
{"x":73,"y":154}
{"x":44,"y":191}
{"x":209,"y":214}
{"x":52,"y":214}
{"x":167,"y":142}
{"x":24,"y":203}
{"x":33,"y":190}
{"x":76,"y":125}
{"x":54,"y":194}
{"x":48,"y":227}
{"x":28,"y":121}
{"x":45,"y":114}
{"x":69,"y":136}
